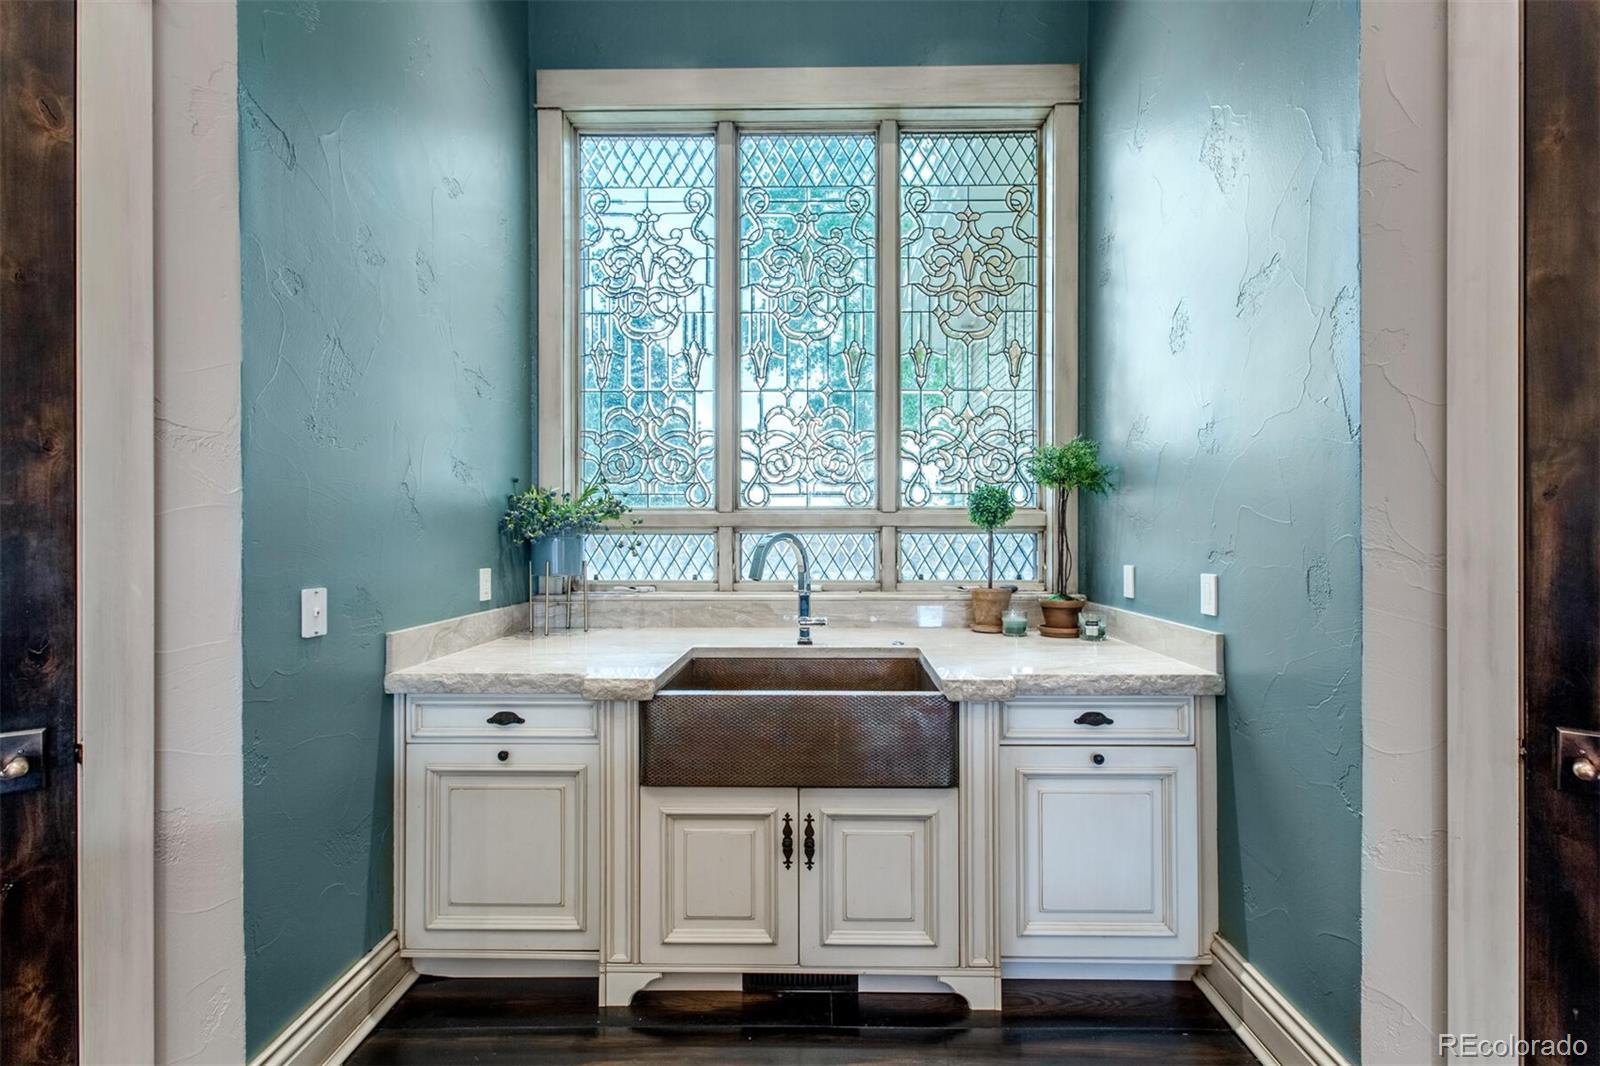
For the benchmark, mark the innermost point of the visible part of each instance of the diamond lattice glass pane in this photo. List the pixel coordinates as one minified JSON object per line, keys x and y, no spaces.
{"x":807,"y":320}
{"x":834,"y":557}
{"x":969,"y":313}
{"x":651,"y":556}
{"x":647,"y":310}
{"x":965,"y":556}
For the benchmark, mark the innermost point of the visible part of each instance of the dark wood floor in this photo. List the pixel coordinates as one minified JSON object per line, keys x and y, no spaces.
{"x":506,"y":1020}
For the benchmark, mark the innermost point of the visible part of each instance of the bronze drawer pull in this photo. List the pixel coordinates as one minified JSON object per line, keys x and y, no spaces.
{"x":505,"y":718}
{"x":811,"y":842}
{"x":1092,"y":718}
{"x":788,"y":842}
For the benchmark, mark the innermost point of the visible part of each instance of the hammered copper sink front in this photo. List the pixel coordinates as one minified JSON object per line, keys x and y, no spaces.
{"x":799,"y":723}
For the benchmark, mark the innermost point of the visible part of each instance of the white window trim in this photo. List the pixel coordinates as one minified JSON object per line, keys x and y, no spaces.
{"x":573,"y":101}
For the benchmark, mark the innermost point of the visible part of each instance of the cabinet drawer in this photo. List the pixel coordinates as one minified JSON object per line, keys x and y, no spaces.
{"x":1098,"y":720}
{"x":492,"y":718}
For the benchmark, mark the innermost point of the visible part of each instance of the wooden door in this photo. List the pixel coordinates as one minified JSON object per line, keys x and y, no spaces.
{"x":1561,"y":505}
{"x":38,"y":533}
{"x":1099,"y":853}
{"x":716,"y":883}
{"x":500,"y":846}
{"x":881,"y":887}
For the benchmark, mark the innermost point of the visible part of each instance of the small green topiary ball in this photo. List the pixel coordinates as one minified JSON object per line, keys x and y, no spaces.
{"x":990,"y":506}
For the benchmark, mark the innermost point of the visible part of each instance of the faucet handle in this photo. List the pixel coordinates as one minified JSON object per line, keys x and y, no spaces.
{"x":807,"y":620}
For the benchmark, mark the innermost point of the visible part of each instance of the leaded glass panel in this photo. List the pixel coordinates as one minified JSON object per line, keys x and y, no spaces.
{"x":834,"y":557}
{"x":647,"y":311}
{"x":651,"y":556}
{"x":964,"y":556}
{"x":969,"y":313}
{"x":807,"y":320}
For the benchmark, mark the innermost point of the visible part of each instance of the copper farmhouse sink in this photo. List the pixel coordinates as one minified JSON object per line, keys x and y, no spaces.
{"x":799,"y":722}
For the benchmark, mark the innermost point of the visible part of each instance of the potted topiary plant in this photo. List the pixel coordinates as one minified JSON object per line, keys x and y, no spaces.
{"x":1060,"y":469}
{"x":989,"y":506}
{"x":553,"y":524}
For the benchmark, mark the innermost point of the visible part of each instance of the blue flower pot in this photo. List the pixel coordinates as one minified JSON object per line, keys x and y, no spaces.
{"x":563,"y":553}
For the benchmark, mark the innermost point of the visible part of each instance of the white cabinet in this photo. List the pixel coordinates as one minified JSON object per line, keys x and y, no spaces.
{"x":878,"y":887}
{"x":499,"y":849}
{"x":713,"y":887}
{"x":882,"y":888}
{"x":1081,"y":836}
{"x":1100,"y":853}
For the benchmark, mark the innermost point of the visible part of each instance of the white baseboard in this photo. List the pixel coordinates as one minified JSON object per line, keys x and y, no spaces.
{"x":329,"y":1029}
{"x":1270,"y":1026}
{"x":1082,"y":970}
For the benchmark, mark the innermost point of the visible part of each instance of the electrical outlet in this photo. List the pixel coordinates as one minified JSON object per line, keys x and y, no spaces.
{"x":485,"y":585}
{"x":1208,"y":594}
{"x":313,"y":612}
{"x":1127,"y":581}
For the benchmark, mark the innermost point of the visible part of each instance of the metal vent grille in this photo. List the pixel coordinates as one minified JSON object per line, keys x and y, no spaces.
{"x":801,"y":982}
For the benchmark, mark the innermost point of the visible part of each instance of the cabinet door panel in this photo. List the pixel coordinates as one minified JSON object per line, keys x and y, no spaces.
{"x":883,"y":889}
{"x":499,"y":853}
{"x":1100,"y":860}
{"x":712,"y":883}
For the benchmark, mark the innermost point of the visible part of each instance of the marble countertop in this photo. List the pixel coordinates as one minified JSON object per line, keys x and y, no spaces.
{"x":628,"y":664}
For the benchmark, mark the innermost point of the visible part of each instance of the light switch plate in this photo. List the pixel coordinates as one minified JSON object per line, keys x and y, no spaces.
{"x":313,"y":612}
{"x":1127,"y":581}
{"x":485,"y":585}
{"x":1208,"y":594}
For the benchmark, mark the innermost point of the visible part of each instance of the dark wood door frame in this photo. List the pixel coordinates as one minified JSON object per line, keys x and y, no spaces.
{"x":39,"y":529}
{"x":1561,"y":533}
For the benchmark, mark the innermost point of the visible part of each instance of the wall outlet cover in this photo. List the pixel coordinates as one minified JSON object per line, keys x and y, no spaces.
{"x":1208,"y":594}
{"x":1127,"y":581}
{"x":313,"y":612}
{"x":485,"y":585}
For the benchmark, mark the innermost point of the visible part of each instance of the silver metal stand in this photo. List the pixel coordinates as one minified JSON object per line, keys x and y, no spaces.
{"x":583,"y":579}
{"x":547,"y":599}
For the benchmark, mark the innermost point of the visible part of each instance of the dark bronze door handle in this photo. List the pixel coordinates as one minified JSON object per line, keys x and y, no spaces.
{"x":1092,"y":718}
{"x":811,"y":842}
{"x":788,"y":842}
{"x":505,"y":718}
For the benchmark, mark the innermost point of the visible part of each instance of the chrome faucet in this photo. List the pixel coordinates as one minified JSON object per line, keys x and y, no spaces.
{"x":802,"y":577}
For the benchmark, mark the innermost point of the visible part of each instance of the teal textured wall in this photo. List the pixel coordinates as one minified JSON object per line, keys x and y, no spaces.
{"x":1221,"y":371}
{"x":804,"y":33}
{"x":384,"y":215}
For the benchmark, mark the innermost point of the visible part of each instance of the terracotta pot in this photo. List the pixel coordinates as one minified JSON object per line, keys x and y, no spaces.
{"x":1061,"y":617}
{"x":987,"y":607}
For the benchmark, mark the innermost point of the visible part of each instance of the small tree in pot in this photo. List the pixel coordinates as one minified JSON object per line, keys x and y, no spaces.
{"x":1060,"y":469}
{"x":989,"y":506}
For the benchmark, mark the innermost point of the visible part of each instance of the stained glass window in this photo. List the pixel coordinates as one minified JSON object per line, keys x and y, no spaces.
{"x":969,"y":313}
{"x":774,"y":406}
{"x":647,"y":308}
{"x":965,"y":556}
{"x":807,"y":320}
{"x":651,"y":556}
{"x":834,"y":557}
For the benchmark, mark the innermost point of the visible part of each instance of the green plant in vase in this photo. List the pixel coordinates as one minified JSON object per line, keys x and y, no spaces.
{"x":553,"y":524}
{"x":989,"y":507}
{"x":1060,"y":470}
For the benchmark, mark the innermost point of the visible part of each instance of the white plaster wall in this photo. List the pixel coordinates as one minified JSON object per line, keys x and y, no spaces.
{"x":199,"y":801}
{"x":1403,"y":528}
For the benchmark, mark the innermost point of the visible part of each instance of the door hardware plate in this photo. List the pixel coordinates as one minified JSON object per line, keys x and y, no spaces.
{"x":27,"y":744}
{"x":1572,"y":747}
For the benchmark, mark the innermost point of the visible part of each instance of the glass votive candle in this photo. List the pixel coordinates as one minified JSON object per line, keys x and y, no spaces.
{"x":1091,"y":627}
{"x":1014,"y":623}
